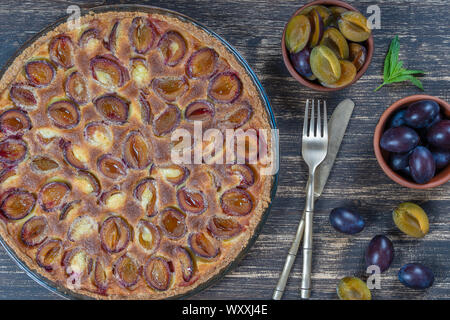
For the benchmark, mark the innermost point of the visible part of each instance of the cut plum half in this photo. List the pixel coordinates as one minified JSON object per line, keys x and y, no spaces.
{"x":74,"y":155}
{"x":225,"y":87}
{"x":76,"y":88}
{"x":49,"y":254}
{"x":61,"y":51}
{"x":173,"y":47}
{"x":136,"y":152}
{"x":100,"y":276}
{"x":113,"y":199}
{"x":17,"y":203}
{"x":23,"y":96}
{"x":98,"y":134}
{"x":238,"y":117}
{"x":200,"y":110}
{"x":224,"y":228}
{"x":90,"y":182}
{"x":170,"y":89}
{"x":146,"y":110}
{"x":46,"y":135}
{"x":15,"y":121}
{"x":76,"y":262}
{"x":174,"y":173}
{"x":166,"y":121}
{"x":127,"y":271}
{"x":113,"y":108}
{"x":115,"y":234}
{"x":183,"y":257}
{"x":193,"y":202}
{"x":34,"y":231}
{"x":203,"y":246}
{"x":244,"y":172}
{"x":69,"y":208}
{"x":202,"y":64}
{"x":110,"y":41}
{"x":236,"y":202}
{"x":52,"y":195}
{"x":139,"y":71}
{"x":64,"y":114}
{"x":157,"y":273}
{"x":81,"y":228}
{"x":145,"y":193}
{"x":148,"y":236}
{"x":39,"y":73}
{"x":142,"y":35}
{"x":43,"y":164}
{"x":13,"y":151}
{"x":111,"y":167}
{"x":7,"y":173}
{"x":109,"y":71}
{"x":173,"y":223}
{"x":87,"y":36}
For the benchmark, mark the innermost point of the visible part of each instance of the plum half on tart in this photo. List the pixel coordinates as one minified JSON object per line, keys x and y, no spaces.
{"x":89,"y":196}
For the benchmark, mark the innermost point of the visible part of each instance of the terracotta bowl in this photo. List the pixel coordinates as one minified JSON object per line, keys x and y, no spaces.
{"x":312,"y":84}
{"x":383,"y":156}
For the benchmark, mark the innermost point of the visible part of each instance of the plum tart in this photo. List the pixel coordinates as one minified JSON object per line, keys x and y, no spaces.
{"x":90,"y":197}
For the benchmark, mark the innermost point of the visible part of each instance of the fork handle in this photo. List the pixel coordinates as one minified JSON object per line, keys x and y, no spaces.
{"x":305,"y":289}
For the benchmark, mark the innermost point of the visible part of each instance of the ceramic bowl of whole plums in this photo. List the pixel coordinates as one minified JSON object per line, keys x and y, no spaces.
{"x":412,"y":142}
{"x":327,"y":45}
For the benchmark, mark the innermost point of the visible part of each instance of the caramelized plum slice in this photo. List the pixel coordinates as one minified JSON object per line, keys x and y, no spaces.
{"x":34,"y":231}
{"x":244,"y":172}
{"x":87,"y":36}
{"x":317,"y":27}
{"x":68,"y":208}
{"x":145,"y":193}
{"x":113,"y":108}
{"x":17,"y":204}
{"x":43,"y":164}
{"x":136,"y":152}
{"x":157,"y":273}
{"x":239,"y":117}
{"x":14,"y":121}
{"x":48,"y":254}
{"x":109,"y":71}
{"x":200,"y":110}
{"x":52,"y":195}
{"x":173,"y":223}
{"x":76,"y":261}
{"x":91,"y":183}
{"x":74,"y":155}
{"x":110,"y":42}
{"x":127,"y":270}
{"x":146,"y":110}
{"x":76,"y":88}
{"x":166,"y":121}
{"x":111,"y":167}
{"x":203,"y":246}
{"x":64,"y":114}
{"x":46,"y":135}
{"x":115,"y":234}
{"x":98,"y":134}
{"x":236,"y":202}
{"x":173,"y":47}
{"x":142,"y":34}
{"x":7,"y":173}
{"x":170,"y":88}
{"x":225,"y":87}
{"x":12,"y":150}
{"x":139,"y":71}
{"x":148,"y":236}
{"x":23,"y":96}
{"x":82,"y":227}
{"x":191,"y":201}
{"x":100,"y":276}
{"x":61,"y":51}
{"x":40,"y":73}
{"x":202,"y":64}
{"x":224,"y":228}
{"x":175,"y":174}
{"x":185,"y":261}
{"x":113,"y":199}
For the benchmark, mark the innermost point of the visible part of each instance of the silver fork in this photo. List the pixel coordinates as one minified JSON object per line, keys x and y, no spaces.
{"x":314,"y":150}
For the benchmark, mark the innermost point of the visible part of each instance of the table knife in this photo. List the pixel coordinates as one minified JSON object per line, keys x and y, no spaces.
{"x":337,"y":126}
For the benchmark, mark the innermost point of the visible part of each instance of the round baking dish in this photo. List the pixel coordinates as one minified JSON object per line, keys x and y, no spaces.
{"x":69,"y":294}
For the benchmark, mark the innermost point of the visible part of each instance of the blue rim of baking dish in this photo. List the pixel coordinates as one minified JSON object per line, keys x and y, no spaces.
{"x":66,"y":293}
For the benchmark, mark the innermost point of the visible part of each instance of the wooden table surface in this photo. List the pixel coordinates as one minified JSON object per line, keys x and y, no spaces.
{"x":254,"y":28}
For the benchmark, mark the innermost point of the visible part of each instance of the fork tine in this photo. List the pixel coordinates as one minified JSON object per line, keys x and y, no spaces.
{"x":311,"y":121}
{"x":325,"y":125}
{"x":305,"y":121}
{"x":319,"y":124}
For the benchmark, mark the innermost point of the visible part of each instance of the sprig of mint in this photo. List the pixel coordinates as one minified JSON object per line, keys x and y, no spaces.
{"x":393,"y":68}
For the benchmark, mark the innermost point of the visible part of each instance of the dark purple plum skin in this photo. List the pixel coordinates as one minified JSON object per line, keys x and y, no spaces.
{"x":441,"y":157}
{"x":398,"y":119}
{"x":346,"y":220}
{"x":416,"y":276}
{"x":380,"y":252}
{"x":399,"y":161}
{"x":399,"y":139}
{"x":439,"y":134}
{"x":421,"y":113}
{"x":300,"y":61}
{"x":422,"y":165}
